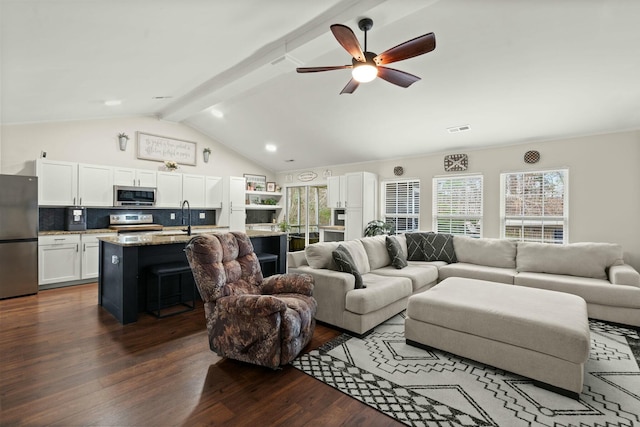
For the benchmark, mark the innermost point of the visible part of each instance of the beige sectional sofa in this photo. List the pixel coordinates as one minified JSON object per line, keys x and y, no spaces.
{"x":594,"y":271}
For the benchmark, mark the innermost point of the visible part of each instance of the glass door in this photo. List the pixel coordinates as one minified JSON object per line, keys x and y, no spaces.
{"x":306,"y":210}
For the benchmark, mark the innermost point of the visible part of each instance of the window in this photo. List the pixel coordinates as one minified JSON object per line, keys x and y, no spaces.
{"x":457,"y":205}
{"x":534,"y":206}
{"x":401,"y":204}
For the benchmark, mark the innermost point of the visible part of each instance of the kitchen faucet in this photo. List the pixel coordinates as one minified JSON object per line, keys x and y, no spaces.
{"x":186,"y":202}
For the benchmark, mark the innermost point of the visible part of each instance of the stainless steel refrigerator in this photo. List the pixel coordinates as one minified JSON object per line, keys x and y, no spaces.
{"x":18,"y":235}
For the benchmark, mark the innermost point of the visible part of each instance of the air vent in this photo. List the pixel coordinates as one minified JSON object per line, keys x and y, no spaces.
{"x":462,"y":128}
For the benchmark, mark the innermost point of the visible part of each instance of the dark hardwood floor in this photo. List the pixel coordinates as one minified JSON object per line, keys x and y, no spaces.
{"x":65,"y":361}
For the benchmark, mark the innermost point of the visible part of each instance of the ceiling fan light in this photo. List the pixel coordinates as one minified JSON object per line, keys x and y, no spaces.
{"x":364,"y":73}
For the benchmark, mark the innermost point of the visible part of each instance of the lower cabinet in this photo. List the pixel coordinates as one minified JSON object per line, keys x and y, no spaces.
{"x":58,"y":258}
{"x":90,"y":255}
{"x":68,"y":257}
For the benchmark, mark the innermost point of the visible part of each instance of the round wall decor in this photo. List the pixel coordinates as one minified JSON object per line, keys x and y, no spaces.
{"x":531,"y":156}
{"x":398,"y":171}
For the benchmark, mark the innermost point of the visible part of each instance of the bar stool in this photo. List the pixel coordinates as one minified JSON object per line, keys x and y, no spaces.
{"x":163,"y":271}
{"x":267,"y":259}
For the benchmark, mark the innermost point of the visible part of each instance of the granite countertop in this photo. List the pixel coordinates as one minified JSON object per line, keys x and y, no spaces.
{"x":332,"y":227}
{"x":109,"y":230}
{"x":169,"y":239}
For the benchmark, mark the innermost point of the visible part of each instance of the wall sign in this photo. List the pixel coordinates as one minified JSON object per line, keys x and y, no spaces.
{"x":307,"y":176}
{"x":160,"y":148}
{"x":456,"y":162}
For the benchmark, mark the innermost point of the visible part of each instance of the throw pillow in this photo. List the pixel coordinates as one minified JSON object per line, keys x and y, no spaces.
{"x":414,"y":246}
{"x":439,"y":247}
{"x":345,"y":263}
{"x":398,"y":259}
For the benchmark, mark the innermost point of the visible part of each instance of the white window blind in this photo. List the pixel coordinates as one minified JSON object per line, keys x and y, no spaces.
{"x":401,"y":204}
{"x":534,"y":206}
{"x":457,"y":205}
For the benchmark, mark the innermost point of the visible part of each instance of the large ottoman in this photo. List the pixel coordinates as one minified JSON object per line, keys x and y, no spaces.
{"x":536,"y":333}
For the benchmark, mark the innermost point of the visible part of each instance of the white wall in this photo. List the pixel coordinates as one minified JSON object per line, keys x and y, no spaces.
{"x":96,"y":141}
{"x":604,"y":183}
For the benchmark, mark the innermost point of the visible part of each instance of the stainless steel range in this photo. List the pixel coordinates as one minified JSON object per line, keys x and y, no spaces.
{"x":134,"y":223}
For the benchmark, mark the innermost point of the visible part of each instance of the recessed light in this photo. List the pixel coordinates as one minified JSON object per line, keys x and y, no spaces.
{"x":271,"y":148}
{"x":289,"y":160}
{"x":112,"y":102}
{"x":217,"y":113}
{"x":163,"y":97}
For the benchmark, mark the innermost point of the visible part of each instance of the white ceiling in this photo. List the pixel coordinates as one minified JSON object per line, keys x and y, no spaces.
{"x":513,"y":70}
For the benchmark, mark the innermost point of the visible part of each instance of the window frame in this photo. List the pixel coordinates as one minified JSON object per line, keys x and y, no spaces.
{"x":477,"y":218}
{"x":564,"y":219}
{"x":398,"y":215}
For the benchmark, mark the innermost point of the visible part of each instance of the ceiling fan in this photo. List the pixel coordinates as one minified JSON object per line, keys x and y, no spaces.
{"x":367,"y":65}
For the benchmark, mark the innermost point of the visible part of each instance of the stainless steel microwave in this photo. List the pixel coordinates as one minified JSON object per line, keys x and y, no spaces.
{"x":133,"y":196}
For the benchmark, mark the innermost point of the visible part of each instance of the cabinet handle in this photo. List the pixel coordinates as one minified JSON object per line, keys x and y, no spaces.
{"x":80,"y":201}
{"x":230,"y":205}
{"x":84,"y":247}
{"x":138,"y":183}
{"x":134,"y":182}
{"x":77,"y":247}
{"x":345,"y":203}
{"x":74,"y":200}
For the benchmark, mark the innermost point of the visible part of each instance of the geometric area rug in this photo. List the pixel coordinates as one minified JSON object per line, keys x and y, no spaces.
{"x":421,"y":387}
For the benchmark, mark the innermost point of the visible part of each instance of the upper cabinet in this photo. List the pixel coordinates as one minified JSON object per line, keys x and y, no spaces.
{"x":95,"y":185}
{"x":67,"y":184}
{"x":57,"y":183}
{"x":134,"y":177}
{"x":213,"y":192}
{"x":194,"y":189}
{"x":336,"y":189}
{"x":169,"y":186}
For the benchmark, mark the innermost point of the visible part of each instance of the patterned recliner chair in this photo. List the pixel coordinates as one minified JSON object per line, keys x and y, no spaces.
{"x":262,"y":321}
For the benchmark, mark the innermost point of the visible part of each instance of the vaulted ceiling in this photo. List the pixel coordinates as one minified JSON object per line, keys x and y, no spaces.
{"x":512,"y":70}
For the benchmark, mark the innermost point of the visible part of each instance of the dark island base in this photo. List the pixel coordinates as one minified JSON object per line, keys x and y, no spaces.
{"x":122,"y":289}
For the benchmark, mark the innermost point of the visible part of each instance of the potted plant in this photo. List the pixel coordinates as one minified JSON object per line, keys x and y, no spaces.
{"x":205,"y":154}
{"x":122,"y":139}
{"x":284,"y":226}
{"x":378,"y":227}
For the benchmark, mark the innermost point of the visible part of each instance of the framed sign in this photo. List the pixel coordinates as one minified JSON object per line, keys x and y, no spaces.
{"x":161,"y":148}
{"x":271,"y":187}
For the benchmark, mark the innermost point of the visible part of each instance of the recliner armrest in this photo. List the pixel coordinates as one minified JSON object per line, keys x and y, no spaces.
{"x":251,"y":305}
{"x":624,"y":275}
{"x":290,"y":283}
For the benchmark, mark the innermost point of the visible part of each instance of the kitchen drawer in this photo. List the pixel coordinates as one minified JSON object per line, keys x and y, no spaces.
{"x":60,"y":239}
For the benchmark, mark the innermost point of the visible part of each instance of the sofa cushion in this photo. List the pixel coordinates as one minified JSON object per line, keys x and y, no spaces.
{"x":376,"y":251}
{"x":421,"y":274}
{"x":575,"y":259}
{"x":345,"y":263}
{"x":379,"y":293}
{"x":319,"y":255}
{"x":480,"y":272}
{"x":430,"y":247}
{"x":489,"y":252}
{"x":398,"y":258}
{"x":594,"y":291}
{"x":402,"y":239}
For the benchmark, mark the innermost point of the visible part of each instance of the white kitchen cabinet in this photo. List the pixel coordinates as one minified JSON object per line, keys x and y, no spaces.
{"x":213,"y":192}
{"x":90,"y":247}
{"x":194,"y":190}
{"x":134,"y":177}
{"x":169,"y":187}
{"x":58,"y":258}
{"x":95,"y":185}
{"x":233,"y":212}
{"x":57,"y":182}
{"x":336,"y":188}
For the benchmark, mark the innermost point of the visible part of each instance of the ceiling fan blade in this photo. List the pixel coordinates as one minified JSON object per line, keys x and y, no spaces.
{"x":409,"y":49}
{"x":350,"y":87}
{"x":397,"y":77}
{"x":317,"y":69}
{"x":348,"y":40}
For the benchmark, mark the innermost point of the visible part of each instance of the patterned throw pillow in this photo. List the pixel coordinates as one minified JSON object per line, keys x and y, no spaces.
{"x":414,"y":246}
{"x":431,"y":247}
{"x":398,"y":259}
{"x":439,"y":247}
{"x":345,"y":263}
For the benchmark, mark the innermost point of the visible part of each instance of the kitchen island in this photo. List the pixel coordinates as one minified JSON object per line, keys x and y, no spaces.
{"x":125,"y":258}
